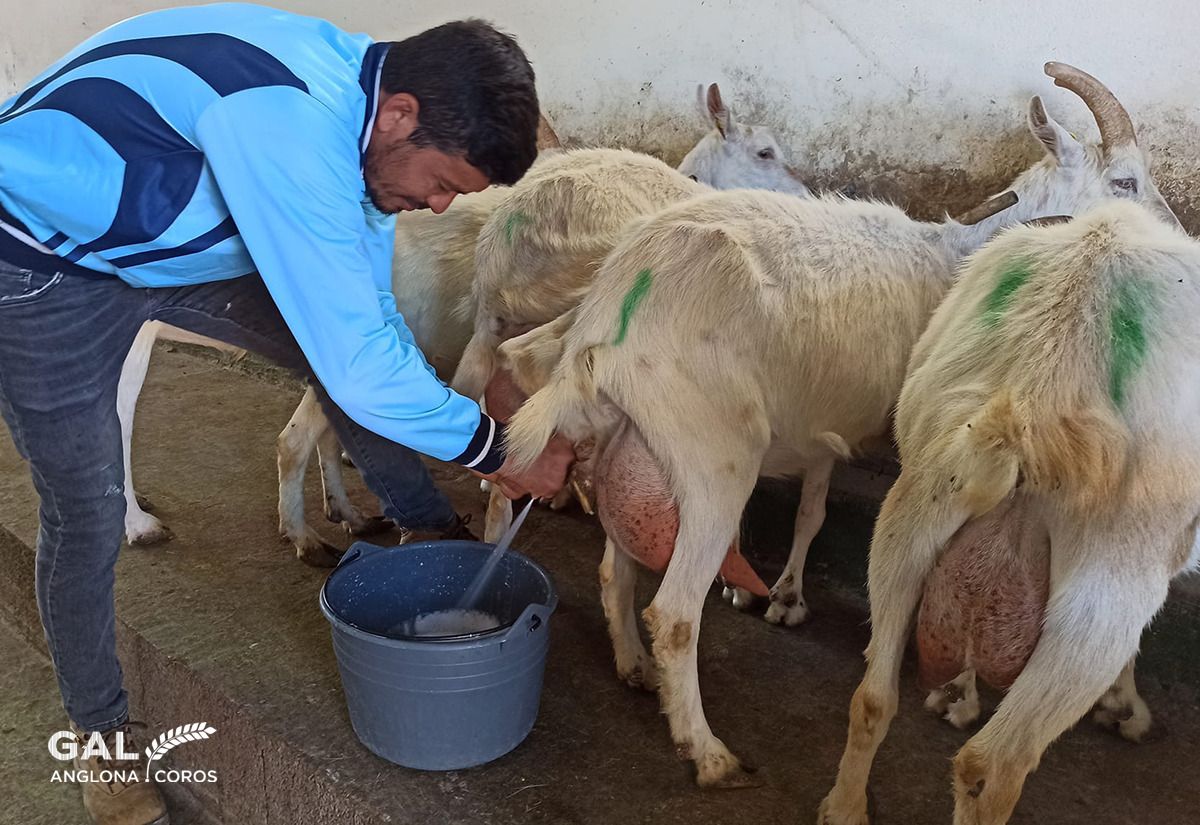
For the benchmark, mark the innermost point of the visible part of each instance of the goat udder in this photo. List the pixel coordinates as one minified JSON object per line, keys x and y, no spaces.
{"x":639,"y":511}
{"x":983,"y":607}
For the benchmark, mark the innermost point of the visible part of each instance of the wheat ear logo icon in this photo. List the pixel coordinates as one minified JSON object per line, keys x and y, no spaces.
{"x":173,"y":738}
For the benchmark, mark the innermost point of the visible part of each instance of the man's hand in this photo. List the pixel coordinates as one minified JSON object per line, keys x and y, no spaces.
{"x":542,"y":479}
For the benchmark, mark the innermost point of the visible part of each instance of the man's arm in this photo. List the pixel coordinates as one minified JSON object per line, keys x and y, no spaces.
{"x":289,"y":172}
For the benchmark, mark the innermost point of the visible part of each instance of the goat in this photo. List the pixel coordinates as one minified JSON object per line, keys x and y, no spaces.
{"x":736,"y":155}
{"x":1058,"y":386}
{"x":537,"y":256}
{"x":748,"y":334}
{"x":140,"y":526}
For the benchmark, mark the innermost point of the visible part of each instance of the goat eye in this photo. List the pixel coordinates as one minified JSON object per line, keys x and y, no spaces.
{"x":766,"y":154}
{"x":693,"y":177}
{"x":1126,"y":184}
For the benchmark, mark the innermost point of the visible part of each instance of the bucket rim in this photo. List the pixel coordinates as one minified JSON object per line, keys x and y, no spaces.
{"x":463,"y":640}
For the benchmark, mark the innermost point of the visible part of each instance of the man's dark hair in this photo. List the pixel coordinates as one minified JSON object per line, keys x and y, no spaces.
{"x":476,"y":92}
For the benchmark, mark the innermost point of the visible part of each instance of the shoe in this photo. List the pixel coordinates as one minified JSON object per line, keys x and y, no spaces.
{"x":117,"y":791}
{"x":458,"y":531}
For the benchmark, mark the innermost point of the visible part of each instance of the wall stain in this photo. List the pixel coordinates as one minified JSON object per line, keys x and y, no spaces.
{"x":930,"y":160}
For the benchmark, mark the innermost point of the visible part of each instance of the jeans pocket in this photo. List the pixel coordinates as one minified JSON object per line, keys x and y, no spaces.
{"x":20,"y":286}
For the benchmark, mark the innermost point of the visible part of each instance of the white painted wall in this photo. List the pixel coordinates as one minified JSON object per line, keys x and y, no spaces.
{"x":905,"y":92}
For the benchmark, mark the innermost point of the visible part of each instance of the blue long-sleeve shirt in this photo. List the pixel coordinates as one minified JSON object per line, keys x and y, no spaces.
{"x":199,"y":144}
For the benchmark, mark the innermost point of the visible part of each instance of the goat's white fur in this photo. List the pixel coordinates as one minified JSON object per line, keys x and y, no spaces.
{"x":140,"y":526}
{"x":773,"y":340}
{"x":537,"y":255}
{"x":737,"y":155}
{"x":1112,"y":476}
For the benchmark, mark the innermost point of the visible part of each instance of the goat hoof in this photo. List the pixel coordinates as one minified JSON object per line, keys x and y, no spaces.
{"x":1129,"y":725}
{"x":937,"y":701}
{"x":721,"y":770}
{"x":827,"y":814}
{"x":319,"y":555}
{"x":158,"y":534}
{"x":736,"y":779}
{"x":372,"y":526}
{"x":145,"y":503}
{"x":780,"y":613}
{"x":643,"y":676}
{"x":962,"y":713}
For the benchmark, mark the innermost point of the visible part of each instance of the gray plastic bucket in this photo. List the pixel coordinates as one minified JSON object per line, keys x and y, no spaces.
{"x":438,"y":703}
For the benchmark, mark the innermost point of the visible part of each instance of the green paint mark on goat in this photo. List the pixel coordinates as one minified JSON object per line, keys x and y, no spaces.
{"x":1127,"y":333}
{"x":515,"y":221}
{"x":634,"y":297}
{"x":998,"y":300}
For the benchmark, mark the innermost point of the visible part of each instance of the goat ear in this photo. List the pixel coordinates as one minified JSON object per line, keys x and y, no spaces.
{"x":702,"y":104}
{"x":719,"y":112}
{"x":1057,"y":140}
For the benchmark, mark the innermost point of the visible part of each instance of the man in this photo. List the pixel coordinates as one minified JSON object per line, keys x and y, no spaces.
{"x":229,"y":169}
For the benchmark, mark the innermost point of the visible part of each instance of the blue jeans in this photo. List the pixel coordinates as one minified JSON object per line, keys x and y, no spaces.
{"x":63,"y":339}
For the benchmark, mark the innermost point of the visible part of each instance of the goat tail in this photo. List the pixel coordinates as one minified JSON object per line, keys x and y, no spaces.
{"x":560,"y":406}
{"x":1079,"y":453}
{"x":476,"y":365}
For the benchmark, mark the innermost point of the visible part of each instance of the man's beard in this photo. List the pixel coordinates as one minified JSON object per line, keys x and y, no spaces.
{"x":379,"y":159}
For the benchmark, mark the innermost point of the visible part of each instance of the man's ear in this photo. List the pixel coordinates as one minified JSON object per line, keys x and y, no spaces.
{"x":397,"y":115}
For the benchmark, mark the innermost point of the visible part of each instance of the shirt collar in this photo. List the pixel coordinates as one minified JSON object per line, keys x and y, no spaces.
{"x":368,"y":78}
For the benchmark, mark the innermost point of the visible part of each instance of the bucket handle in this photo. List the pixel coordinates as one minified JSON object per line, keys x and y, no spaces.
{"x":531,"y":620}
{"x":358,"y":550}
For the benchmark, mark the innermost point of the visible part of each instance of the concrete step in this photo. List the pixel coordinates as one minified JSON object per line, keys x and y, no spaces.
{"x":221,"y":625}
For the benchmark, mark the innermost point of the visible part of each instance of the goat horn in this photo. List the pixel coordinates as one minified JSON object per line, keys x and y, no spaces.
{"x":1116,"y":129}
{"x":1048,"y":220}
{"x":547,"y":138}
{"x":985,"y":210}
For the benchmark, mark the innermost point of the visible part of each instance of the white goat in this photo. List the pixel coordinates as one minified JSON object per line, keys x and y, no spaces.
{"x":1060,"y":382}
{"x":749,"y":334}
{"x":140,"y":526}
{"x":536,"y":257}
{"x":737,"y":155}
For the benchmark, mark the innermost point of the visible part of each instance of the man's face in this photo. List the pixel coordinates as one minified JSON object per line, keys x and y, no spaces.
{"x":401,"y":177}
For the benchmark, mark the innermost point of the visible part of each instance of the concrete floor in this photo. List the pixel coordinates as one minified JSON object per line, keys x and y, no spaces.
{"x":222,"y":625}
{"x":29,"y":713}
